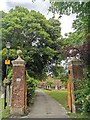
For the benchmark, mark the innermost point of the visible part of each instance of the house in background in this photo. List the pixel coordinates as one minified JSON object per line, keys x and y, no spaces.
{"x":51,"y":83}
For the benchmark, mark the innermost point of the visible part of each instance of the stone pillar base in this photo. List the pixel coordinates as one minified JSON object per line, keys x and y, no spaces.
{"x":16,"y":111}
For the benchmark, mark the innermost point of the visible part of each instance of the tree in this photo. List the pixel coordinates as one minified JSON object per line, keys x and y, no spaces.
{"x":81,"y":24}
{"x":12,"y":56}
{"x":82,"y":30}
{"x":59,"y":73}
{"x":37,"y":37}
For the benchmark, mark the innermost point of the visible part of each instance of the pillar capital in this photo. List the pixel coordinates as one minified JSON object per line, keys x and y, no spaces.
{"x":74,"y":61}
{"x":19,"y":61}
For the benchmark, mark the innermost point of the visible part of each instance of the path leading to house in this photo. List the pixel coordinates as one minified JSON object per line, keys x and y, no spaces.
{"x":46,"y":107}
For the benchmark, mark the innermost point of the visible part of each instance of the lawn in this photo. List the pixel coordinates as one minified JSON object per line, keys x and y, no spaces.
{"x":59,"y":95}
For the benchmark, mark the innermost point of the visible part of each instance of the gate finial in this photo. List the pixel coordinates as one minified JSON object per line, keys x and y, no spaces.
{"x":19,"y":52}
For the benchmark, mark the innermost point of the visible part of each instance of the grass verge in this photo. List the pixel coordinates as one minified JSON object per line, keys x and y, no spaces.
{"x":4,"y":113}
{"x":59,"y":95}
{"x":84,"y":116}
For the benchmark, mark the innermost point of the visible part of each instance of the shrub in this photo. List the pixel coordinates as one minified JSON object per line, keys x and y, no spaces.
{"x":83,"y":94}
{"x":32,"y":84}
{"x":10,"y":74}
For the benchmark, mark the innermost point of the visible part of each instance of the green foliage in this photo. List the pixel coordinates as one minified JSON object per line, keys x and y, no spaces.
{"x":83,"y":94}
{"x":81,"y":37}
{"x":73,"y":38}
{"x":59,"y":73}
{"x":79,"y":115}
{"x":55,"y":29}
{"x":60,"y":96}
{"x":57,"y":70}
{"x":37,"y":37}
{"x":81,"y":24}
{"x":4,"y":113}
{"x":32,"y":84}
{"x":10,"y":74}
{"x":49,"y":83}
{"x":12,"y":55}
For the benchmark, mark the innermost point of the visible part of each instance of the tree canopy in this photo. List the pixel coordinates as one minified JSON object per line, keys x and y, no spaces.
{"x":36,"y":36}
{"x":81,"y":36}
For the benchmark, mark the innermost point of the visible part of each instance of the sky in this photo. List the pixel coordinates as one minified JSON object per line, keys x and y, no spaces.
{"x":42,"y":7}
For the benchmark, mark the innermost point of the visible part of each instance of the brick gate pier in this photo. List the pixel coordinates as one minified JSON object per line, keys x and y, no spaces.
{"x":19,"y":87}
